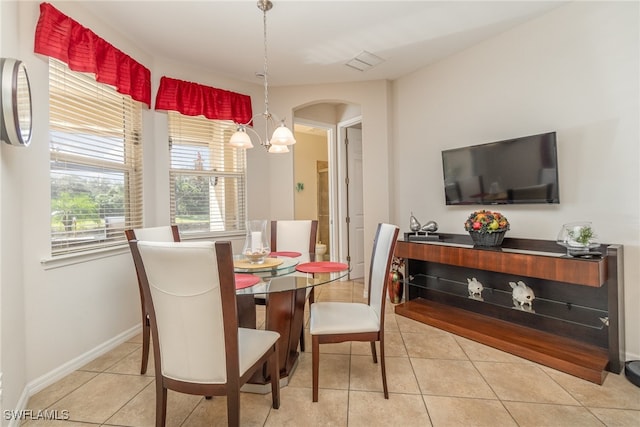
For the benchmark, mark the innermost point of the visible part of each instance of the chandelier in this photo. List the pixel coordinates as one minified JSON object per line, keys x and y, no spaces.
{"x":282,"y":136}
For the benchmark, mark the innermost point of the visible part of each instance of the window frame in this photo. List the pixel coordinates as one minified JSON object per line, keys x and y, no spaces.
{"x":221,"y":163}
{"x":95,"y":138}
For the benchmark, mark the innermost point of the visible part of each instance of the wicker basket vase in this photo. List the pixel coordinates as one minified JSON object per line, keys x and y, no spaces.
{"x":487,"y":239}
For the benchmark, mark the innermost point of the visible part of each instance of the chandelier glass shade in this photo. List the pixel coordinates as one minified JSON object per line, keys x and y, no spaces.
{"x":282,"y":136}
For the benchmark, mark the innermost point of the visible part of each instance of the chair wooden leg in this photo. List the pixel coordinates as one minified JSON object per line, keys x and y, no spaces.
{"x":274,"y":367}
{"x":384,"y":371}
{"x":315,"y":362}
{"x":161,"y":403}
{"x":233,"y":408}
{"x":373,"y":352}
{"x":146,"y":338}
{"x":311,"y":299}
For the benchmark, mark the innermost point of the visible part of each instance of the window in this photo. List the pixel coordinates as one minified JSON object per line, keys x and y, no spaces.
{"x":207,"y":176}
{"x":96,"y":162}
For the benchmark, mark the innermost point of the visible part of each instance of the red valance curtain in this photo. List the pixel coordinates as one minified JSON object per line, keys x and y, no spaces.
{"x":193,"y":99}
{"x":82,"y":50}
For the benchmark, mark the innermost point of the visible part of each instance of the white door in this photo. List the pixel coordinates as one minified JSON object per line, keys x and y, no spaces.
{"x":355,"y":210}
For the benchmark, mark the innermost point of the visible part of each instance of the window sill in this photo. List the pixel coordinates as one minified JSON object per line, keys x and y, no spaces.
{"x":82,"y":257}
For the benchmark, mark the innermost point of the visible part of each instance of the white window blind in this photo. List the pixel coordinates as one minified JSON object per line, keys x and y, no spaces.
{"x":96,"y":162}
{"x":208,"y":177}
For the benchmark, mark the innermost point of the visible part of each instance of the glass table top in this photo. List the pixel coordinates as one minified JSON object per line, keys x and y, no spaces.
{"x":291,"y":282}
{"x":283,"y":276}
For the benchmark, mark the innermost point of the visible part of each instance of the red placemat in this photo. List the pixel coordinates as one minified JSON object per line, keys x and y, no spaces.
{"x":246,"y":280}
{"x":322,"y":267}
{"x":286,"y":254}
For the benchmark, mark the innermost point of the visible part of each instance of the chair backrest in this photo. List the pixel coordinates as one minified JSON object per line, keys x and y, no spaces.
{"x":294,"y":235}
{"x":190,"y":287}
{"x":384,"y":246}
{"x":163,"y":233}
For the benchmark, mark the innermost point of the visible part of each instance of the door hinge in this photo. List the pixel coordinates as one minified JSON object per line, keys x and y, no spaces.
{"x":348,"y":220}
{"x":346,"y":181}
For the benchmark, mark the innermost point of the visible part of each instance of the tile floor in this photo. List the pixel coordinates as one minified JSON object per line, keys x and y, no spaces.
{"x":435,"y":379}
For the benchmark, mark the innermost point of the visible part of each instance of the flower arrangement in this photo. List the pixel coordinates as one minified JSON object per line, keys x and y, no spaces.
{"x":397,"y":263}
{"x":486,"y":222}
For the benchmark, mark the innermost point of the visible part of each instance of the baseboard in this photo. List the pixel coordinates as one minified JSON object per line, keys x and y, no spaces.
{"x":631,"y":356}
{"x":62,"y":371}
{"x":20,"y":406}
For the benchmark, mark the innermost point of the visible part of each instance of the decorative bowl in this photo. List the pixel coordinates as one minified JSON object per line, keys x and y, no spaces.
{"x":578,"y":237}
{"x":487,"y":239}
{"x":486,"y":228}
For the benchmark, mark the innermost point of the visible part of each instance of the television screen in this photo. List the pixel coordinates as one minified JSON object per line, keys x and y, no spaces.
{"x":519,"y":171}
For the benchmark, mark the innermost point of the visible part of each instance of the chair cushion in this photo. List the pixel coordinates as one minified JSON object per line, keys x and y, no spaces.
{"x":252,"y":345}
{"x":342,"y":317}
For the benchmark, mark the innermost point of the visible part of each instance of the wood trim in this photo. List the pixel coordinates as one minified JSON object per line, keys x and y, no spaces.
{"x":591,"y":272}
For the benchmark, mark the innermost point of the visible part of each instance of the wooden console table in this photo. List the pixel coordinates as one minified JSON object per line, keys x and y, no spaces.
{"x":574,"y":324}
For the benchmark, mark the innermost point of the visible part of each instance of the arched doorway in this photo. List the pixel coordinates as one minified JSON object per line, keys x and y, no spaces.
{"x":321,"y":167}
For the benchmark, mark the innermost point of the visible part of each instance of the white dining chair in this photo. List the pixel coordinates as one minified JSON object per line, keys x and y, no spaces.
{"x":335,"y":322}
{"x":166,"y":233}
{"x":296,"y":236}
{"x":197,"y":345}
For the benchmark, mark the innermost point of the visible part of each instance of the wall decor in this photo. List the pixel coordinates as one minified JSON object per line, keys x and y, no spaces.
{"x":15,"y":108}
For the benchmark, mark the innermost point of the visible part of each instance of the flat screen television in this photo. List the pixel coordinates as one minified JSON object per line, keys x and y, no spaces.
{"x":515,"y":171}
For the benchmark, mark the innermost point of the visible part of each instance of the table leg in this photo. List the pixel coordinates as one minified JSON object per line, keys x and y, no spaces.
{"x":246,"y":311}
{"x":285,"y":315}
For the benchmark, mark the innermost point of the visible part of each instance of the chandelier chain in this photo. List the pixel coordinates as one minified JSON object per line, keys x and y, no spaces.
{"x":282,"y":136}
{"x":265,"y":67}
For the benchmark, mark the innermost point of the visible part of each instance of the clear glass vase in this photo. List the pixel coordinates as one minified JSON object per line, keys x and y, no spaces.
{"x":256,"y":245}
{"x":578,"y":237}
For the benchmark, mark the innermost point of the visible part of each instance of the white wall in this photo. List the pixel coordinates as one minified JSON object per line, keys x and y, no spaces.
{"x":12,"y":328}
{"x":308,"y":150}
{"x":574,"y":71}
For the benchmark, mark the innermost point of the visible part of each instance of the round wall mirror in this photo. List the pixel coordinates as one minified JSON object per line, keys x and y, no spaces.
{"x":15,"y":108}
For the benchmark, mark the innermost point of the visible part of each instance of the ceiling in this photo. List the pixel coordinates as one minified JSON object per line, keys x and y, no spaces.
{"x":309,"y":42}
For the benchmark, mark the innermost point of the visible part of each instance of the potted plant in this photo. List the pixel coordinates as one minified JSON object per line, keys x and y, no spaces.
{"x":486,"y":228}
{"x":578,"y":237}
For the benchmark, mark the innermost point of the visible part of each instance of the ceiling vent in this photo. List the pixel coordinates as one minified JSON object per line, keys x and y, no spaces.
{"x":364,"y":61}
